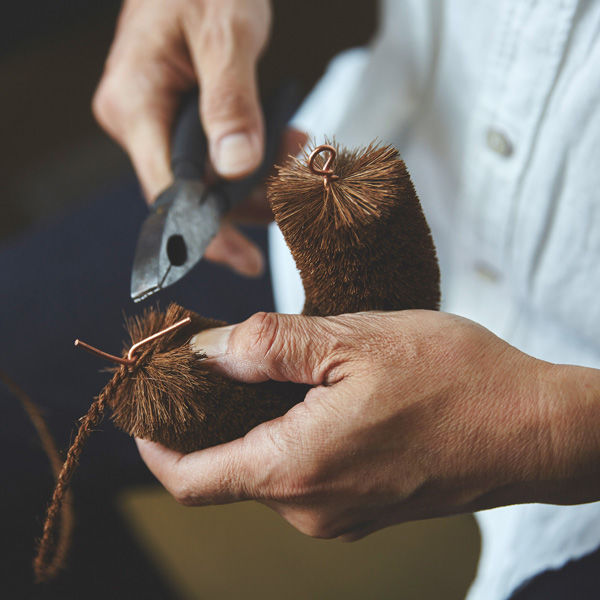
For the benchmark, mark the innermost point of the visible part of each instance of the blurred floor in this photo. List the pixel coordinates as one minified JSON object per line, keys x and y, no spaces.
{"x":247,"y":551}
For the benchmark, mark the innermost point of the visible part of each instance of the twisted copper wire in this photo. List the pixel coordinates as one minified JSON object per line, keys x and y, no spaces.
{"x":131,"y":357}
{"x":327,"y":170}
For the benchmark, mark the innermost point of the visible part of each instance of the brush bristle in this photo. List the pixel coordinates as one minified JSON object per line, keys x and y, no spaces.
{"x":361,"y":242}
{"x":365,"y":188}
{"x":171,"y":397}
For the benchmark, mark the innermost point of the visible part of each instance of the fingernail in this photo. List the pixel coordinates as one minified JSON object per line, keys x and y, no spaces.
{"x":237,"y":154}
{"x":212,"y":342}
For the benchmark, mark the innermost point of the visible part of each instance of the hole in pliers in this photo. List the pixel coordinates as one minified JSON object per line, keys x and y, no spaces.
{"x":176,"y":250}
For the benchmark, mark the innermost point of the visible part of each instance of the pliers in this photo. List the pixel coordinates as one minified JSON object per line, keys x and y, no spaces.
{"x":188,"y":214}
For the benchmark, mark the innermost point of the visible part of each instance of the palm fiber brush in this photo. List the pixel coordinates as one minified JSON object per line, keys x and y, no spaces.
{"x":355,"y":228}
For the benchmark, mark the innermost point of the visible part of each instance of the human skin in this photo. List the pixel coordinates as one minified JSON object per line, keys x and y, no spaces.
{"x":163,"y":49}
{"x":413,"y":414}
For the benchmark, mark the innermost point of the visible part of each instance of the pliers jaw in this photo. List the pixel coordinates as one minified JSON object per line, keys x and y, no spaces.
{"x":174,"y":236}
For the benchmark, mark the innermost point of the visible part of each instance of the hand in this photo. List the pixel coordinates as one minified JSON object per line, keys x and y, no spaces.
{"x":415,"y":414}
{"x":162,"y":49}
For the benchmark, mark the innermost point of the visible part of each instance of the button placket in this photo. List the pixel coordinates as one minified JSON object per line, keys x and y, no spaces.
{"x":522,"y":67}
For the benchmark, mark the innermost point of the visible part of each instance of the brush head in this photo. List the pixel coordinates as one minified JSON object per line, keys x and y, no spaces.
{"x":367,"y":186}
{"x":360,"y":242}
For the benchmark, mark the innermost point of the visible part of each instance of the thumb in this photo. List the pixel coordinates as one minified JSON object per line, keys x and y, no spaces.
{"x":273,"y":346}
{"x":229,"y":107}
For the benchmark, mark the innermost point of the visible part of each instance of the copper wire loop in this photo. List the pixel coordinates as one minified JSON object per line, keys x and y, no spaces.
{"x":130,"y":360}
{"x":327,"y":170}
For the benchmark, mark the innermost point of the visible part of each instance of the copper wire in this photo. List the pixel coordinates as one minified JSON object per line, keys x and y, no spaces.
{"x":97,"y":352}
{"x":158,"y":334}
{"x":327,"y":170}
{"x":130,"y":360}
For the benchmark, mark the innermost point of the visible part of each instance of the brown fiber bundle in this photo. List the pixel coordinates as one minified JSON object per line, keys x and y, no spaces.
{"x":360,"y":242}
{"x":169,"y":396}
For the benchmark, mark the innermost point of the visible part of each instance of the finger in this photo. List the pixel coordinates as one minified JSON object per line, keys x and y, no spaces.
{"x":254,"y":210}
{"x":235,"y":250}
{"x":203,"y":477}
{"x":322,"y":519}
{"x":359,"y":532}
{"x":233,"y":121}
{"x":162,"y":461}
{"x":225,"y":63}
{"x":217,"y":475}
{"x":147,"y":143}
{"x":140,"y":126}
{"x":146,"y":72}
{"x":273,"y":346}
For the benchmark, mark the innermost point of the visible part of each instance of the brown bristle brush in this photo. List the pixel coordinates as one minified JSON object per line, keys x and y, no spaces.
{"x":354,"y":225}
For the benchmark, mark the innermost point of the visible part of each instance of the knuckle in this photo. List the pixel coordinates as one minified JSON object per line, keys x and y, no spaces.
{"x":182,"y":494}
{"x":240,"y":479}
{"x":185,"y":500}
{"x":280,"y":440}
{"x":228,"y":27}
{"x":106,"y":103}
{"x":264,"y":336}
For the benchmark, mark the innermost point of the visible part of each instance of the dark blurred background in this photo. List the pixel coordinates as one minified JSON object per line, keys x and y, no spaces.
{"x":70,"y":209}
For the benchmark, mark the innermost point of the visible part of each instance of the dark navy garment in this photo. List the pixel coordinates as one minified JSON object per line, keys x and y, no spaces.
{"x":576,"y":580}
{"x":65,"y":280}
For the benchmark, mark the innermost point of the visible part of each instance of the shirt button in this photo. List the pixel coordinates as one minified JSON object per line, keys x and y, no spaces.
{"x":487,"y":272}
{"x":498,"y":142}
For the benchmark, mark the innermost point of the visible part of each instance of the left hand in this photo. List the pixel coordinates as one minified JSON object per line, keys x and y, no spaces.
{"x":414,"y":414}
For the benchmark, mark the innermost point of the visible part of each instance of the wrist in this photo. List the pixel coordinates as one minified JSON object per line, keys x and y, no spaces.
{"x":571,"y":399}
{"x":545,"y":446}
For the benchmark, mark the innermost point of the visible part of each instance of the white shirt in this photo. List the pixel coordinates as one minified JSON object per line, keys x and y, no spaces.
{"x":495,"y":107}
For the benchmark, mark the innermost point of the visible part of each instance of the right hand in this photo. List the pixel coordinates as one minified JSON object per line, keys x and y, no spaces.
{"x":162,"y":49}
{"x":413,"y":414}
